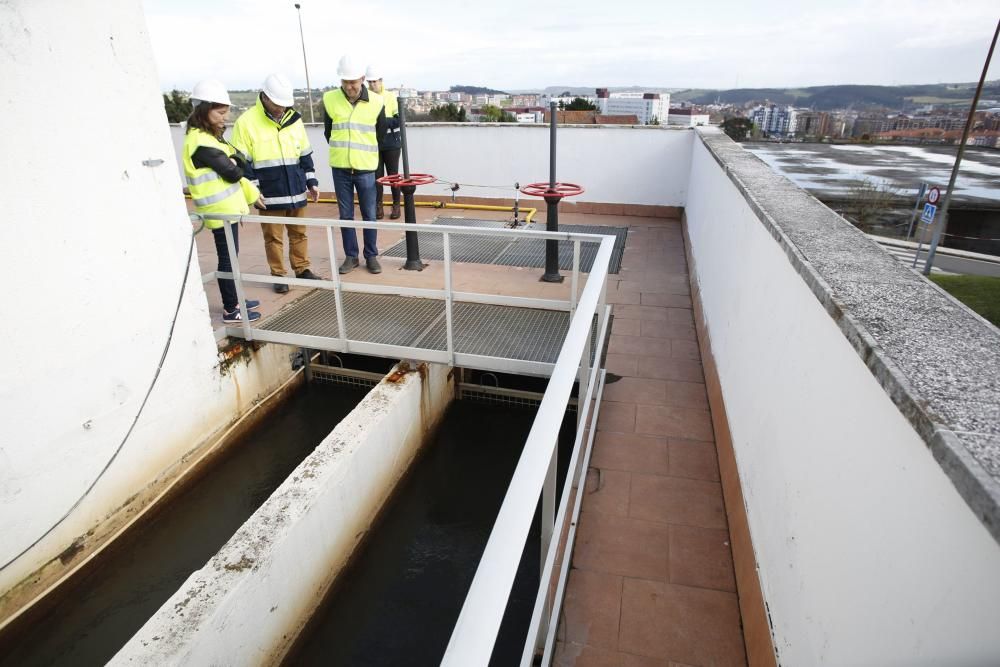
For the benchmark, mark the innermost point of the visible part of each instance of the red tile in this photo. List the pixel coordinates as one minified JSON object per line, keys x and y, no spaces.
{"x":675,"y":421}
{"x":618,"y":417}
{"x":686,"y":394}
{"x":636,"y":390}
{"x":693,"y":459}
{"x":670,"y":368}
{"x":684,"y":349}
{"x":631,"y":453}
{"x":701,"y":557}
{"x":622,"y":364}
{"x":616,"y":545}
{"x":666,"y":300}
{"x":638,"y":345}
{"x":687,"y":502}
{"x":580,"y":655}
{"x":607,"y":491}
{"x":678,"y":330}
{"x":591,"y":609}
{"x":689,"y":625}
{"x":624,"y":326}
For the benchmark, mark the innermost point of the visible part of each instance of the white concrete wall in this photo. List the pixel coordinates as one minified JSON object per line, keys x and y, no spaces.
{"x":867,"y":553}
{"x":633,"y":165}
{"x":95,"y":249}
{"x":251,"y":599}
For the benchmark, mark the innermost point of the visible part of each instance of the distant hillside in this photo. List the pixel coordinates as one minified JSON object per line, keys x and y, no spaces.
{"x":827,"y":98}
{"x":475,"y":90}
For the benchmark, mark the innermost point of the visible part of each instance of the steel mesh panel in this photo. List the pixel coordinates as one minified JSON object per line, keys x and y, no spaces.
{"x":528,"y":334}
{"x":374,"y":318}
{"x":528,"y":253}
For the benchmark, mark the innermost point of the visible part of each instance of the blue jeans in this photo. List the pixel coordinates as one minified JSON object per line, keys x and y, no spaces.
{"x":344,"y":183}
{"x":227,"y":287}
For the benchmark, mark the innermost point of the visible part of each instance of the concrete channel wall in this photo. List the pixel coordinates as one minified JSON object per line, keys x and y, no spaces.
{"x":624,"y":165}
{"x":97,"y":244}
{"x":873,"y":546}
{"x":251,"y":600}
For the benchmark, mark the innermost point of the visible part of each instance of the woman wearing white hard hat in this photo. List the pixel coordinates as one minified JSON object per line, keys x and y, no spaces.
{"x":391,"y":144}
{"x":214,"y":173}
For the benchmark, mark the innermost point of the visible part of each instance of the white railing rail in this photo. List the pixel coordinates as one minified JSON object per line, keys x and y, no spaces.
{"x":475,"y":632}
{"x":478,"y":624}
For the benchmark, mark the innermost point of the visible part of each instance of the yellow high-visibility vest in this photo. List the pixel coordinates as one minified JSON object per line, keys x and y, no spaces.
{"x":391,"y":103}
{"x":210,"y":193}
{"x":353,"y":143}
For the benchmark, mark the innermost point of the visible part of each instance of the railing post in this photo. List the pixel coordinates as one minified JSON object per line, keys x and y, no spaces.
{"x":448,"y":298}
{"x":234,"y":262}
{"x":337,"y":297}
{"x":548,"y":528}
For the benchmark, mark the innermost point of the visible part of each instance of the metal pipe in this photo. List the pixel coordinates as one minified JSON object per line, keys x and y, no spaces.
{"x":943,"y":223}
{"x":552,"y":145}
{"x":551,"y":274}
{"x":413,"y":262}
{"x":309,"y":90}
{"x":916,"y":210}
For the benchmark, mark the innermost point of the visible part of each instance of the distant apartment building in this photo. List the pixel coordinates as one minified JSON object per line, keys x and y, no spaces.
{"x":647,"y":107}
{"x":686,"y":117}
{"x":524,"y":101}
{"x":818,"y":124}
{"x":774,"y":120}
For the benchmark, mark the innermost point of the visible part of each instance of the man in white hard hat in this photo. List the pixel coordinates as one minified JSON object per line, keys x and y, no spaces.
{"x":273,"y":136}
{"x":354,"y":122}
{"x":391,"y":145}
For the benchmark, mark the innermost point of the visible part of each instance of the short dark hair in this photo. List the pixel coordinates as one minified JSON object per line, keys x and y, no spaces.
{"x":199,"y":117}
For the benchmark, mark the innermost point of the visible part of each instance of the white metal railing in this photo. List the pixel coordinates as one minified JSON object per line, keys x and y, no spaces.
{"x":475,"y":632}
{"x":342,"y":343}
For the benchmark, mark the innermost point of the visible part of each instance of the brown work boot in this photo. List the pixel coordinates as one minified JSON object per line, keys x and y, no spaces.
{"x":379,"y":212}
{"x":395,"y":211}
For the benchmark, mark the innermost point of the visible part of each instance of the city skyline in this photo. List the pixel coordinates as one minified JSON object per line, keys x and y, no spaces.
{"x":577,"y":44}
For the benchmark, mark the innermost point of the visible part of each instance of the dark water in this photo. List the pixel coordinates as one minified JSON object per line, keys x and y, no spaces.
{"x":397,"y":602}
{"x":97,"y":617}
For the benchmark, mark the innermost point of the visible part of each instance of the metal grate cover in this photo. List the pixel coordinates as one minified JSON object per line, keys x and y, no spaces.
{"x":521,"y":253}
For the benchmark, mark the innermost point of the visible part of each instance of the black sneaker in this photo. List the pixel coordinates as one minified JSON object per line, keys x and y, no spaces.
{"x":236,"y":317}
{"x":350,"y":263}
{"x":280,"y":288}
{"x":252,"y":304}
{"x":307,"y":275}
{"x":373,"y":265}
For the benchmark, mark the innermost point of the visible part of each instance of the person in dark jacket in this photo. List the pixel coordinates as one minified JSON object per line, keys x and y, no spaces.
{"x":390,"y":147}
{"x":273,"y":137}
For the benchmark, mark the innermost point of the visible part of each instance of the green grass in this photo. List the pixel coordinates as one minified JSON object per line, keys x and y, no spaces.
{"x":980,"y":293}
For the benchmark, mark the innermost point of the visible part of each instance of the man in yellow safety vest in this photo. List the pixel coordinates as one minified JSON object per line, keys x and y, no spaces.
{"x":389,"y":149}
{"x":272,"y":135}
{"x":354,"y":123}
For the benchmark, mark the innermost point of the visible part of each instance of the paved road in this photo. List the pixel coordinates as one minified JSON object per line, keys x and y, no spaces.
{"x":946,"y":261}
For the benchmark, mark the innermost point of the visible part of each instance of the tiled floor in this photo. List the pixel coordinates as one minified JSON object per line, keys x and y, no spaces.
{"x":652,"y":581}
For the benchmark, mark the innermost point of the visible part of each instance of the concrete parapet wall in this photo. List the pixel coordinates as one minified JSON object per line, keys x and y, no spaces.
{"x":250,"y":601}
{"x":869,"y":549}
{"x":622,"y":165}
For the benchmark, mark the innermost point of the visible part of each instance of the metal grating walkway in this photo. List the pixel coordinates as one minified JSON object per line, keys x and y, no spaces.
{"x":522,"y":253}
{"x":506,"y":332}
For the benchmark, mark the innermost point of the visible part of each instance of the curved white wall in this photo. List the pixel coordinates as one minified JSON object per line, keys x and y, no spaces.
{"x":867,"y":553}
{"x":95,"y":246}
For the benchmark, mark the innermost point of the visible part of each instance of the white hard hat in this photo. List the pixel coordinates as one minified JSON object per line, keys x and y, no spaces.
{"x":210,"y":90}
{"x":373,"y":73}
{"x":279,"y":89}
{"x":348,"y":70}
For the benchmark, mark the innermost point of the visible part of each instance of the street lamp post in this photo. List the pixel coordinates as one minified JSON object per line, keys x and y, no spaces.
{"x":309,"y":90}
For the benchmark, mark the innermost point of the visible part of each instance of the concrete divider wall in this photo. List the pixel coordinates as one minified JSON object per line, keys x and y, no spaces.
{"x":867,"y":553}
{"x":646,"y":165}
{"x":250,"y":601}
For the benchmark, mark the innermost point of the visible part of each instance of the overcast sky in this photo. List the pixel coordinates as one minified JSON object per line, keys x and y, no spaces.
{"x":711,"y":44}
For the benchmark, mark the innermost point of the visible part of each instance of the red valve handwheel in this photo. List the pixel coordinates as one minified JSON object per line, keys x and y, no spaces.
{"x":398,"y":180}
{"x":543,"y":190}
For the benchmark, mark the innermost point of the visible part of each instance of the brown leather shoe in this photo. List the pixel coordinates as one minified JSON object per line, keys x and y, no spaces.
{"x":395,"y":211}
{"x":379,"y":212}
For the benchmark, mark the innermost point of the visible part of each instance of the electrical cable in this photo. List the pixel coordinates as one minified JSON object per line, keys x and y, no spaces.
{"x":156,"y":375}
{"x":473,"y":185}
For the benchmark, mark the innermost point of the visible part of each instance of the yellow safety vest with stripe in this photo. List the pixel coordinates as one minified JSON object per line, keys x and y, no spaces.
{"x":210,"y":193}
{"x":391,"y":103}
{"x":276,"y":152}
{"x":353,"y":142}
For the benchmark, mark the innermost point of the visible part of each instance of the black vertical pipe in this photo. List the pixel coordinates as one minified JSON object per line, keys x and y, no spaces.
{"x":413,"y":262}
{"x":552,"y":211}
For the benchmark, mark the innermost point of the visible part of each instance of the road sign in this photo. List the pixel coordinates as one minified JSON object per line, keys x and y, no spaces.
{"x":934,"y":195}
{"x":930,"y":210}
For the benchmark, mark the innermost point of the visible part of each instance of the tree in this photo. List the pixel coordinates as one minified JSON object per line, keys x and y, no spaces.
{"x":654,"y":121}
{"x":580,"y":104}
{"x":737,"y":128}
{"x":870,"y":203}
{"x":448,"y":113}
{"x":493,"y":114}
{"x":177,"y":105}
